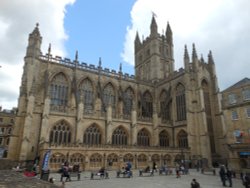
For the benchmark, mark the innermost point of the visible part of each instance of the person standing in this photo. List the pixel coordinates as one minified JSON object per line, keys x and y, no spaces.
{"x":195,"y":184}
{"x":229,"y":177}
{"x":222,"y":173}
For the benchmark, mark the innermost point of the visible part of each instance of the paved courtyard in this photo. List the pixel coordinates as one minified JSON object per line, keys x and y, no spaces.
{"x":156,"y":181}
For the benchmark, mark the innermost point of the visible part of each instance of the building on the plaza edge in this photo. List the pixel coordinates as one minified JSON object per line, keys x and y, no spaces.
{"x":7,"y":121}
{"x":236,"y":109}
{"x":97,"y":117}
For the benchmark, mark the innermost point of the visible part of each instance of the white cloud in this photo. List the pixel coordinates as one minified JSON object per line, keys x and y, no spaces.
{"x":217,"y":25}
{"x":17,"y":19}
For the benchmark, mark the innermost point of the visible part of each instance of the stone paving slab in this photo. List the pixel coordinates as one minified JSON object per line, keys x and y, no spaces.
{"x":156,"y":181}
{"x":12,"y":179}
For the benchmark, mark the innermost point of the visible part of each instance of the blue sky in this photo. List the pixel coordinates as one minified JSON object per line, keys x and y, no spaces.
{"x":98,"y":29}
{"x":107,"y":28}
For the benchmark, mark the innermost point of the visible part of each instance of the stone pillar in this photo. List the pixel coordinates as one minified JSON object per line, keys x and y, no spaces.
{"x":45,"y":121}
{"x":134,"y":127}
{"x":109,"y":125}
{"x":79,"y":120}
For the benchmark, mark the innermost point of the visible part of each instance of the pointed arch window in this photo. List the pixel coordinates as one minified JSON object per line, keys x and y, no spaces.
{"x":109,"y":98}
{"x":182,"y":139}
{"x":86,"y":92}
{"x":60,"y":134}
{"x":180,"y":103}
{"x":143,"y":138}
{"x":147,"y":106}
{"x":165,"y":101}
{"x":119,"y":137}
{"x":59,"y":93}
{"x":164,"y":139}
{"x":128,"y":103}
{"x":92,"y":135}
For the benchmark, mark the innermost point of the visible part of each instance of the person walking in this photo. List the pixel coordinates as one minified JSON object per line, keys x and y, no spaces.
{"x":195,"y":184}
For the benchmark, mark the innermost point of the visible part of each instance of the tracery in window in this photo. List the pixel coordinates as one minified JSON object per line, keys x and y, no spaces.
{"x":77,"y":158}
{"x":56,"y":160}
{"x":180,"y":102}
{"x":182,"y":139}
{"x":166,"y":159}
{"x":128,"y":158}
{"x":86,"y":92}
{"x":109,"y":98}
{"x":147,"y":106}
{"x":165,"y":106}
{"x":164,"y":139}
{"x":142,"y":160}
{"x":60,"y":134}
{"x":143,"y":138}
{"x":92,"y":135}
{"x":59,"y":93}
{"x":119,"y":137}
{"x":128,"y":103}
{"x":95,"y":160}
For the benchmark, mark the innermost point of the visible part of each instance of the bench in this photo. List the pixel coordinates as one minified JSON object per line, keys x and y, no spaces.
{"x":126,"y":174}
{"x":165,"y":172}
{"x":204,"y":170}
{"x":147,"y":173}
{"x":104,"y":175}
{"x":71,"y":175}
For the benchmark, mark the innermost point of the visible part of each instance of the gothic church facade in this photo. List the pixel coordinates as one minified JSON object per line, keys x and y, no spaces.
{"x":95,"y":117}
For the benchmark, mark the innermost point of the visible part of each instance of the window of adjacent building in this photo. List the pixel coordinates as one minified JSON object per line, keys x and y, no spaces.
{"x":248,"y":112}
{"x":11,"y":120}
{"x":1,"y":141}
{"x":9,"y":130}
{"x":235,"y":115}
{"x":238,"y":136}
{"x":232,"y":98}
{"x":246,"y":94}
{"x":1,"y":120}
{"x":2,"y":130}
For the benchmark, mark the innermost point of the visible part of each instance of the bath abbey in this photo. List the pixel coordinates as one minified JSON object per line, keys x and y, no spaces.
{"x":97,"y":117}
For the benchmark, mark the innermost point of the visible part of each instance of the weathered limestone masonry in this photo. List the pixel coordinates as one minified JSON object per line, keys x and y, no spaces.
{"x":95,"y":117}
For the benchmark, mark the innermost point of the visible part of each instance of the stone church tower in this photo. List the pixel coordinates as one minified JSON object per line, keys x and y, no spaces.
{"x":95,"y":117}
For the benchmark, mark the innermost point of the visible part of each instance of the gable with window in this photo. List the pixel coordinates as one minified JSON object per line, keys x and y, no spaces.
{"x":232,"y":98}
{"x":246,"y":94}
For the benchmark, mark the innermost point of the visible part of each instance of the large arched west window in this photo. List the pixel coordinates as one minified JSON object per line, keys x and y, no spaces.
{"x":164,"y":139}
{"x":147,"y":106}
{"x":59,"y":93}
{"x":60,"y":134}
{"x":143,"y":138}
{"x":128,"y":103}
{"x":180,"y":102}
{"x":92,"y":135}
{"x":119,"y":137}
{"x":109,"y":98}
{"x":182,"y":138}
{"x":86,"y":92}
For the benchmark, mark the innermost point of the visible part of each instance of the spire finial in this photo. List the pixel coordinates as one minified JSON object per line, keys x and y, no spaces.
{"x":37,"y":24}
{"x":210,"y":57}
{"x":186,"y":56}
{"x":120,"y":68}
{"x":194,"y":54}
{"x":100,"y":62}
{"x":76,"y":56}
{"x":49,"y":49}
